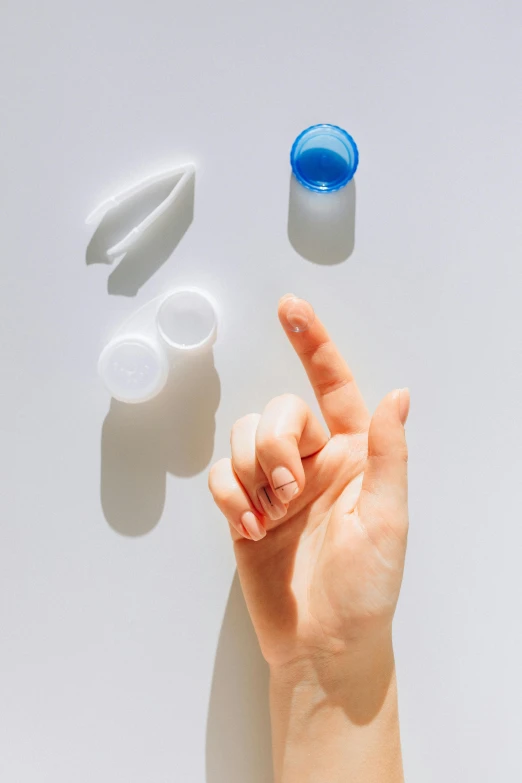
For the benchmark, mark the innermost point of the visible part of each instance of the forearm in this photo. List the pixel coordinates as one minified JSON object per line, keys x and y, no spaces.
{"x":336,"y":720}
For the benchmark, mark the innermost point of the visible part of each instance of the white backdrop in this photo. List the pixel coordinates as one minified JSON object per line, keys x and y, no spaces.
{"x":112,"y":666}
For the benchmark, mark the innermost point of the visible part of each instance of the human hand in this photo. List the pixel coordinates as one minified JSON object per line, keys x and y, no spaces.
{"x":319,"y":521}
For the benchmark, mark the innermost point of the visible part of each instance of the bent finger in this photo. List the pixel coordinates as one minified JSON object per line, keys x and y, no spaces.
{"x":234,"y":503}
{"x":249,"y":471}
{"x":286,"y":433}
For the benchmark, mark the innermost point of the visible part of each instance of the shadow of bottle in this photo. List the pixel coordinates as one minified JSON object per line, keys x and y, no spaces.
{"x":321,"y":226}
{"x":140,"y":444}
{"x":155,"y":246}
{"x":238,"y":747}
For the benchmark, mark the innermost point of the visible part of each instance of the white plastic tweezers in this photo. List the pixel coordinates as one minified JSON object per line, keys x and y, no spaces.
{"x":184,"y":172}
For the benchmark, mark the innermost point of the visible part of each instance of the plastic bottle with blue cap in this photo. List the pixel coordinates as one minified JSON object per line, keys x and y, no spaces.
{"x":324,"y":159}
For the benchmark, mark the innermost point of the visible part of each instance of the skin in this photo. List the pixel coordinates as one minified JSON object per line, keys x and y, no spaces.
{"x":321,"y":562}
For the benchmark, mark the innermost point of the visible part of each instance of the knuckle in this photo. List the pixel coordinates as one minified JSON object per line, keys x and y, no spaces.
{"x":215,"y":475}
{"x":389,"y":452}
{"x":402,"y":453}
{"x":245,"y":423}
{"x":288,"y":399}
{"x":271,"y":435}
{"x":268,"y":442}
{"x":223,"y":496}
{"x":243,"y":465}
{"x":333,"y":384}
{"x":315,"y":348}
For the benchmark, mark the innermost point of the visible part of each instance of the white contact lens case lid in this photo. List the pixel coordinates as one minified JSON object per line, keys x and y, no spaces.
{"x":133,"y":368}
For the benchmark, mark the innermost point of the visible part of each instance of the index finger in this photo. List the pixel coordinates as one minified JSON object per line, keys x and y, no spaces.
{"x":337,"y":393}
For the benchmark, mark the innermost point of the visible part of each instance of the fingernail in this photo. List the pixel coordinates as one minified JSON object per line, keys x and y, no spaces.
{"x":244,"y":532}
{"x":272,"y":507}
{"x":253,"y":526}
{"x":404,"y":404}
{"x":285,"y":485}
{"x":297,"y":314}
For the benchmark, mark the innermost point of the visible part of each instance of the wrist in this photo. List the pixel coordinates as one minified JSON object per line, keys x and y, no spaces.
{"x":363,"y":661}
{"x":334,"y":717}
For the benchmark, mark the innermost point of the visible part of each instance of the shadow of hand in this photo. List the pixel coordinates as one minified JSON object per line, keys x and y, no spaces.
{"x":238,"y":727}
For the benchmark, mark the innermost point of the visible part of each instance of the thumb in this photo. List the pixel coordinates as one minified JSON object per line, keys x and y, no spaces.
{"x":384,"y":495}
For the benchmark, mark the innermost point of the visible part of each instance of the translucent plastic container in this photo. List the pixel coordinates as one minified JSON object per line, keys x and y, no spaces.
{"x":187,"y":321}
{"x":321,"y":214}
{"x":150,"y":345}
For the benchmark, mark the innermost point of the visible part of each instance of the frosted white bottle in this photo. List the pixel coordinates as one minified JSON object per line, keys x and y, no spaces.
{"x":321,"y":216}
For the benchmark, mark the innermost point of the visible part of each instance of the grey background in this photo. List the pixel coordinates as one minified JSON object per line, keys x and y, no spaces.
{"x":122,"y":656}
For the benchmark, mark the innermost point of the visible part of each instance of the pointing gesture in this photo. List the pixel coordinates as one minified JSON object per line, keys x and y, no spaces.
{"x":318,"y":517}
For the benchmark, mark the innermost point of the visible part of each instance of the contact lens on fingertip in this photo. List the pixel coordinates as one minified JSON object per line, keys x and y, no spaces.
{"x":297,"y":314}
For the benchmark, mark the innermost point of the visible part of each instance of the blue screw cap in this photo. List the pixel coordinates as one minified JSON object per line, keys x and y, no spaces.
{"x":324,"y":158}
